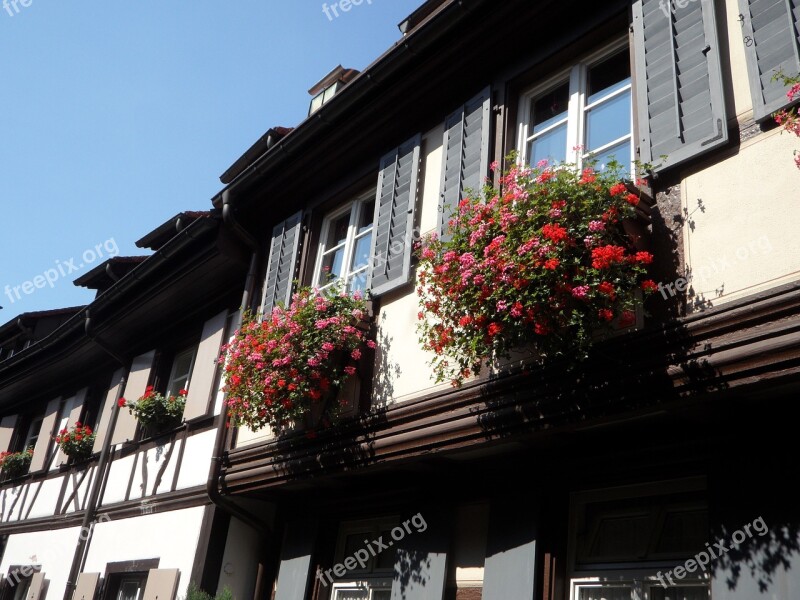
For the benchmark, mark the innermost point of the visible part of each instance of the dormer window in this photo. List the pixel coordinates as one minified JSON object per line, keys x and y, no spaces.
{"x":329,"y":86}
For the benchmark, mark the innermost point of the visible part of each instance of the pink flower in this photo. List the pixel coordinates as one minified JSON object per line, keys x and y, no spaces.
{"x":328,"y":347}
{"x":371,"y":344}
{"x":350,"y":370}
{"x":356,"y":354}
{"x":502,"y":306}
{"x":580,"y":292}
{"x":596,"y":226}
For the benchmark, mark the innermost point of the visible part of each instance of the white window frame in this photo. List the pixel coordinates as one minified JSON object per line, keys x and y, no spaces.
{"x":173,"y":375}
{"x":355,"y":208}
{"x":576,"y":75}
{"x":370,"y":529}
{"x":32,"y":438}
{"x":640,"y":583}
{"x":371,"y":586}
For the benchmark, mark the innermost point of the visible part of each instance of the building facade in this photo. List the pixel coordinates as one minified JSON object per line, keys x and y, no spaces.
{"x":663,"y":470}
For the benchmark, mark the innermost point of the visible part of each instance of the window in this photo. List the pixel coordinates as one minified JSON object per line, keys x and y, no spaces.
{"x":323,"y":97}
{"x":624,"y":541}
{"x":32,"y":432}
{"x":345,"y":246}
{"x":585,"y":112}
{"x":374,"y":580}
{"x":131,"y":586}
{"x":179,"y":377}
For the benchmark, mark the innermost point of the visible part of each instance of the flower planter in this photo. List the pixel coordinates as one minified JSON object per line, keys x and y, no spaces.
{"x":77,"y":442}
{"x":543,"y":263}
{"x":284,"y":371}
{"x":15,"y":464}
{"x":156,"y":412}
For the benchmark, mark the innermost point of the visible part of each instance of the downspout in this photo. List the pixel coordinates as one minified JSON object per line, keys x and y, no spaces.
{"x":212,"y":487}
{"x":87,"y":525}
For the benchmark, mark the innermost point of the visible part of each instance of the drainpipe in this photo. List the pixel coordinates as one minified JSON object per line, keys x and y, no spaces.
{"x":79,"y":558}
{"x":212,"y":487}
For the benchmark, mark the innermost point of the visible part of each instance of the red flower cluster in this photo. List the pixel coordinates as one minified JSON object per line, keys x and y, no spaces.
{"x":278,"y":369}
{"x":76,"y":442}
{"x":789,"y":119}
{"x":543,"y":261}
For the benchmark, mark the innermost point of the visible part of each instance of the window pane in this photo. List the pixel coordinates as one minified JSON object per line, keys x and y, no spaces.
{"x":381,"y":594}
{"x":686,"y":592}
{"x":337,"y":232}
{"x":385,"y":560}
{"x":608,"y":121}
{"x":129,"y":590}
{"x":352,"y":594}
{"x":550,"y":146}
{"x":606,"y":593}
{"x":332,"y":266}
{"x":361,"y":253}
{"x":367,"y":215}
{"x":609,"y":75}
{"x":620,"y":152}
{"x":548,"y":109}
{"x":684,"y":533}
{"x":358,"y":282}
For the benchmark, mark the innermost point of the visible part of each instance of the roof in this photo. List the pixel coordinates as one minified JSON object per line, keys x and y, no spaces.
{"x":109,"y":272}
{"x":264,"y":143}
{"x":169,"y":229}
{"x":28,"y":319}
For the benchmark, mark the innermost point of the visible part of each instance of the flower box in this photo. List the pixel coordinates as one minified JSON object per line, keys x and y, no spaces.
{"x":15,"y":464}
{"x":77,"y":442}
{"x":156,"y":412}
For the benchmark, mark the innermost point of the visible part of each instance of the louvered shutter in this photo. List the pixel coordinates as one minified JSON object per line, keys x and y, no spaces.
{"x":162,"y":584}
{"x":7,"y":426}
{"x":86,"y":586}
{"x":125,"y":429}
{"x":466,"y":154}
{"x":204,"y":372}
{"x":395,"y":204}
{"x":679,"y":91}
{"x":282,"y":260}
{"x":101,"y":431}
{"x":771,"y":30}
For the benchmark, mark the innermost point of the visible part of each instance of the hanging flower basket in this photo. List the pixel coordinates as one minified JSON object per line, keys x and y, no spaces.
{"x":15,"y":464}
{"x":155,"y":411}
{"x":287,"y":369}
{"x":76,"y":442}
{"x":540,"y":264}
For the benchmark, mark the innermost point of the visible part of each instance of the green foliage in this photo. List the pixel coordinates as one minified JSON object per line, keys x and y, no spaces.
{"x":193,"y":592}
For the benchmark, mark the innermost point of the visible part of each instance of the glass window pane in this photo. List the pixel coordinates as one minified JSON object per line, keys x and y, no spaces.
{"x":337,"y":231}
{"x":696,"y":592}
{"x":358,"y":282}
{"x":609,"y":75}
{"x":332,"y":266}
{"x":550,"y":146}
{"x":548,"y":109}
{"x":361,"y":254}
{"x":608,"y":121}
{"x":621,"y":152}
{"x":352,"y":594}
{"x":385,"y":560}
{"x":381,"y":594}
{"x":617,"y":592}
{"x":129,"y":590}
{"x":367,"y":215}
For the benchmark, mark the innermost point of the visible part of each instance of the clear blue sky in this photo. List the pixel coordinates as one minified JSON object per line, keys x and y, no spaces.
{"x":115,"y":116}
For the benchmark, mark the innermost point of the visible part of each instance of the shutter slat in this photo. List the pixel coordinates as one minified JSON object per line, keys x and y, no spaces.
{"x":771,"y":29}
{"x":395,"y":203}
{"x":466,"y":155}
{"x":679,"y":90}
{"x":283,"y":252}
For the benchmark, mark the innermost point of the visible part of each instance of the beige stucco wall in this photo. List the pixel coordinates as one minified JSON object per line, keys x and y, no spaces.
{"x":743,"y":241}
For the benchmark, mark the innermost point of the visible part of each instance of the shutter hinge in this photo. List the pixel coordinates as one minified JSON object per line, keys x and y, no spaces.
{"x":707,"y":49}
{"x":497,"y":109}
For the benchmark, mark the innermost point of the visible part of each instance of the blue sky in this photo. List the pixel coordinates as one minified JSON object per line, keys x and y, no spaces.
{"x":114,"y":116}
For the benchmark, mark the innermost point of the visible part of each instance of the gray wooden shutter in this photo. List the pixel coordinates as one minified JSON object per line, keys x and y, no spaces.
{"x":395,"y":204}
{"x":7,"y":426}
{"x":681,"y":103}
{"x":162,"y":584}
{"x":283,"y":253}
{"x":204,"y":372}
{"x":771,"y":32}
{"x":466,"y":154}
{"x":138,"y":379}
{"x":420,"y":566}
{"x":294,"y":572}
{"x":37,"y":586}
{"x":41,"y":453}
{"x":101,"y":431}
{"x":86,"y":586}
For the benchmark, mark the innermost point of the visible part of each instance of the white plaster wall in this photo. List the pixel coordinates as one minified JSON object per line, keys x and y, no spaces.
{"x":240,"y":561}
{"x":149,"y":465}
{"x":197,"y":459}
{"x":118,"y":478}
{"x":170,"y":536}
{"x":47,"y":497}
{"x":401,"y":369}
{"x":745,"y":240}
{"x":52,"y":549}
